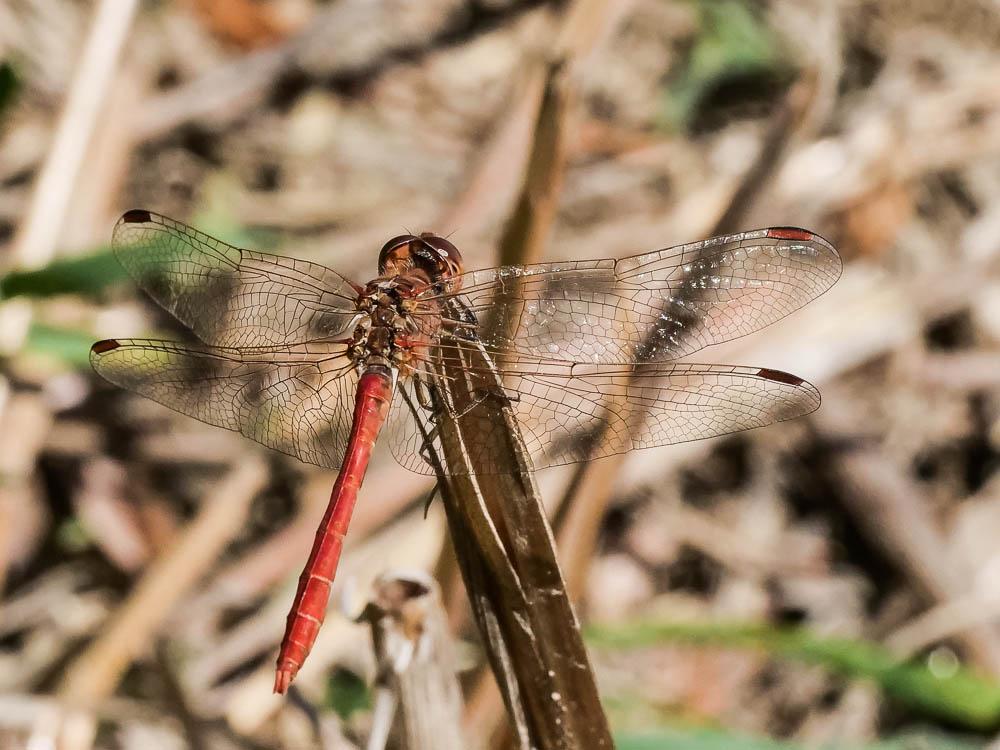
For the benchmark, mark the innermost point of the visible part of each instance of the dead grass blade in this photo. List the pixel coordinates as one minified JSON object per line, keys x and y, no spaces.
{"x":39,"y":233}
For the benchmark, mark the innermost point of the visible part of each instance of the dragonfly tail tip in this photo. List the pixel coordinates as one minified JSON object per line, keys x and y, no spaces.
{"x":282,"y":679}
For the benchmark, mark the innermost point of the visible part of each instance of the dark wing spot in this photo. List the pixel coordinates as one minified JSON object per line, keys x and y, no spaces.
{"x":327,"y":323}
{"x":136,"y":216}
{"x":203,"y":369}
{"x":104,"y":346}
{"x":780,"y":377}
{"x":219,"y":288}
{"x":790,"y":233}
{"x":255,"y":390}
{"x":158,"y":283}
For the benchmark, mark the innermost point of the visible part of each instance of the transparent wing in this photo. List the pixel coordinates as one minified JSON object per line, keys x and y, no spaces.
{"x":297,"y":400}
{"x":573,"y":412}
{"x":653,"y":307}
{"x":230,"y":297}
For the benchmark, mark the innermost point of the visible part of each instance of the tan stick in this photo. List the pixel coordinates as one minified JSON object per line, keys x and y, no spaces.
{"x":92,"y":677}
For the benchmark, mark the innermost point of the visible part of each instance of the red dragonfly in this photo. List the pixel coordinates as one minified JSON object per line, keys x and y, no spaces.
{"x":300,"y":359}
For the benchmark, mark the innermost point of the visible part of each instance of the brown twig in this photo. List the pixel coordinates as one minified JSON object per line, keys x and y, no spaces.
{"x":556,"y":706}
{"x":95,"y":673}
{"x":507,"y":556}
{"x":527,"y":231}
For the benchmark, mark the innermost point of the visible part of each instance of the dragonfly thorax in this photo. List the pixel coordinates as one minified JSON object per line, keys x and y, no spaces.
{"x":384,"y":333}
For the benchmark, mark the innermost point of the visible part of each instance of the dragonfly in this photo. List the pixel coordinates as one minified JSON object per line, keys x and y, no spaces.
{"x":307,"y":362}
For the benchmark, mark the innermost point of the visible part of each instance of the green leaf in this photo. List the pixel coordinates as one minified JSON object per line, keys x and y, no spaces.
{"x":81,"y":275}
{"x":710,"y":739}
{"x":347,"y":693}
{"x":963,"y":697}
{"x":732,"y":43}
{"x":65,"y":344}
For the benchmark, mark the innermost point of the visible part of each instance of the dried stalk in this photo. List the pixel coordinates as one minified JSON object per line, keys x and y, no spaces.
{"x":416,"y":664}
{"x":527,"y":231}
{"x":499,"y":531}
{"x":92,"y":677}
{"x":507,"y":556}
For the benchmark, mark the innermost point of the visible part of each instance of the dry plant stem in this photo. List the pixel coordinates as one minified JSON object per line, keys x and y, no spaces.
{"x":947,"y":620}
{"x":415,"y":662}
{"x":95,"y":673}
{"x":507,"y":555}
{"x":528,"y":229}
{"x":530,"y":224}
{"x":518,"y":142}
{"x":584,"y":25}
{"x":777,"y":139}
{"x":495,"y":177}
{"x":383,"y":713}
{"x":40,"y":230}
{"x":193,"y":730}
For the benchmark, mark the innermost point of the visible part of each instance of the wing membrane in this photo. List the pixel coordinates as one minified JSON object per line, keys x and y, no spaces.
{"x":297,"y":401}
{"x":653,"y":307}
{"x":584,"y":358}
{"x":227,"y":296}
{"x":570,"y":412}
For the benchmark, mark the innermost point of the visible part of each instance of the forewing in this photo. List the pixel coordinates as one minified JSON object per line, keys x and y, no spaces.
{"x":653,"y":307}
{"x":575,"y":412}
{"x":298,"y":401}
{"x":227,"y":296}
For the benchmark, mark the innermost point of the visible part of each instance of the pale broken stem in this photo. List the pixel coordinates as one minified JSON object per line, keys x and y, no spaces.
{"x":39,"y":233}
{"x":93,"y":676}
{"x":418,"y":691}
{"x":383,"y":714}
{"x":950,"y":619}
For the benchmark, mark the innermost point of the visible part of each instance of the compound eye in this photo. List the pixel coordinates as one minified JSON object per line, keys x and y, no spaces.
{"x":441,"y":245}
{"x":449,"y":259}
{"x":395,"y":242}
{"x":394,"y":246}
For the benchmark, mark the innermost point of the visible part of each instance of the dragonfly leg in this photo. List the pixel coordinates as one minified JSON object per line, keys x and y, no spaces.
{"x":429,"y":400}
{"x":433,"y":492}
{"x":422,"y":391}
{"x":482,"y":395}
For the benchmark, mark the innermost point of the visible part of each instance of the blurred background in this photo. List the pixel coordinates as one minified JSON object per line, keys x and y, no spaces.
{"x":832,"y":581}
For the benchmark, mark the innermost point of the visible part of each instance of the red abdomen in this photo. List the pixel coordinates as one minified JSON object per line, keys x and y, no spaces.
{"x":371,"y":406}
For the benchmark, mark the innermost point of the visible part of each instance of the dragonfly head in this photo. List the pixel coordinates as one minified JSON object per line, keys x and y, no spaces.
{"x":434,"y":255}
